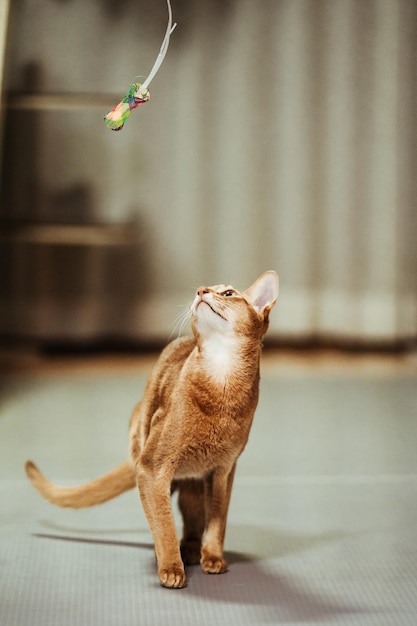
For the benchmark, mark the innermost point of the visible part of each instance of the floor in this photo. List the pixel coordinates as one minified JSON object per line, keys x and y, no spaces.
{"x":323,"y":520}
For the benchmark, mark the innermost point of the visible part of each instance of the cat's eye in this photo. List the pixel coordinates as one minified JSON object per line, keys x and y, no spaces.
{"x":228,"y":293}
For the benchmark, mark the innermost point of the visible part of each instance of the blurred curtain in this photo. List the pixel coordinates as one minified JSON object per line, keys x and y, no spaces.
{"x":280,"y":134}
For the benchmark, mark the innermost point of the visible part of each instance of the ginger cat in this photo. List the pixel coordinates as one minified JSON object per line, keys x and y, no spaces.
{"x":189,"y":429}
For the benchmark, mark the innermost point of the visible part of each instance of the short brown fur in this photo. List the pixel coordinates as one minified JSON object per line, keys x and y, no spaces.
{"x":189,"y":429}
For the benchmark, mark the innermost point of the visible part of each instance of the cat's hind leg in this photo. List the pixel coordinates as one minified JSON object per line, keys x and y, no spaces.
{"x":218,"y":488}
{"x":191,"y":505}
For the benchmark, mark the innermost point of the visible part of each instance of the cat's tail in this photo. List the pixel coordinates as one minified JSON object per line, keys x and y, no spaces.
{"x":97,"y":491}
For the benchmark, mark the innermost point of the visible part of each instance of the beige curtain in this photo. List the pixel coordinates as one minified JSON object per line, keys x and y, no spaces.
{"x":280,"y":134}
{"x":4,"y":18}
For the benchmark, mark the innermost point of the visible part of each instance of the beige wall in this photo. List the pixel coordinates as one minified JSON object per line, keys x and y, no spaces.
{"x":280,"y":134}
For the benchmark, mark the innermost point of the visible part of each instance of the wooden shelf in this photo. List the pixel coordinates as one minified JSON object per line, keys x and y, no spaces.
{"x":61,"y":102}
{"x":72,"y":234}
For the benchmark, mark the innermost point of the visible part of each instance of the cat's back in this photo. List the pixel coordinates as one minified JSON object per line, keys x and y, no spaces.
{"x":176,"y":353}
{"x":159,"y":391}
{"x":167,"y":369}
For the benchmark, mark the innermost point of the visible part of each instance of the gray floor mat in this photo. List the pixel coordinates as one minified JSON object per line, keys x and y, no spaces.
{"x":322,"y":526}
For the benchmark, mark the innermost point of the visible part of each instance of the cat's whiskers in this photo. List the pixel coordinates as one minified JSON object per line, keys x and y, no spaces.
{"x":181,"y":320}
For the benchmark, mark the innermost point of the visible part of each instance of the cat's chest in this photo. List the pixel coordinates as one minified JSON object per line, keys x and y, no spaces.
{"x":215,"y":431}
{"x":199,"y":455}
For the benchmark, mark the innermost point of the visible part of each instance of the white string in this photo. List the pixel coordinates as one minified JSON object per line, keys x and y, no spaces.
{"x":162,"y":52}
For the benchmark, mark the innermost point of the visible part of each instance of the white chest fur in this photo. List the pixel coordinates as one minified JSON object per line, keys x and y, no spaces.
{"x":220,"y":357}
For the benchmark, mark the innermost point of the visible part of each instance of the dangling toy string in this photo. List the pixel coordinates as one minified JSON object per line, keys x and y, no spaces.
{"x":139,"y":93}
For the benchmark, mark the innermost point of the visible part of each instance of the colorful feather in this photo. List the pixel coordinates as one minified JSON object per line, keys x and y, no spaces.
{"x":117,"y":117}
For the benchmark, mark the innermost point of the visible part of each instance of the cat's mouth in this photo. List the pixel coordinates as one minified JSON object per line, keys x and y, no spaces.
{"x":214,"y":310}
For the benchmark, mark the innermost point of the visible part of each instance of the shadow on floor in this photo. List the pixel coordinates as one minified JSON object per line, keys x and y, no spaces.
{"x":252,"y":580}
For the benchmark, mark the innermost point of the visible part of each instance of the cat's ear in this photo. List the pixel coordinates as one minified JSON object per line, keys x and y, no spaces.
{"x":264,"y":292}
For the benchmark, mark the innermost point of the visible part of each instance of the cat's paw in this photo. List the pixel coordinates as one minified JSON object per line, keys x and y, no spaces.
{"x":211,"y":564}
{"x":173,"y":577}
{"x":191,"y":552}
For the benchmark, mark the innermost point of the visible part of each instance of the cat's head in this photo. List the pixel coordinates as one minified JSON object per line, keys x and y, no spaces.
{"x":223,"y":310}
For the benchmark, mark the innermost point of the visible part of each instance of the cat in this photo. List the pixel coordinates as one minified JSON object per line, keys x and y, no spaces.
{"x":188,"y":430}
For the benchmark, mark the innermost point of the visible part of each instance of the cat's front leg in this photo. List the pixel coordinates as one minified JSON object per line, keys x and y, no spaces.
{"x":155,"y":494}
{"x":218,"y":488}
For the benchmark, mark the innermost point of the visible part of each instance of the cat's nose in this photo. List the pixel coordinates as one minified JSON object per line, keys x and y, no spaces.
{"x":201,"y":291}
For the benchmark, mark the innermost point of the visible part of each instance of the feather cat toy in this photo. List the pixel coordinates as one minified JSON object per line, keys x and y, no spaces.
{"x":138,"y":92}
{"x":136,"y":96}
